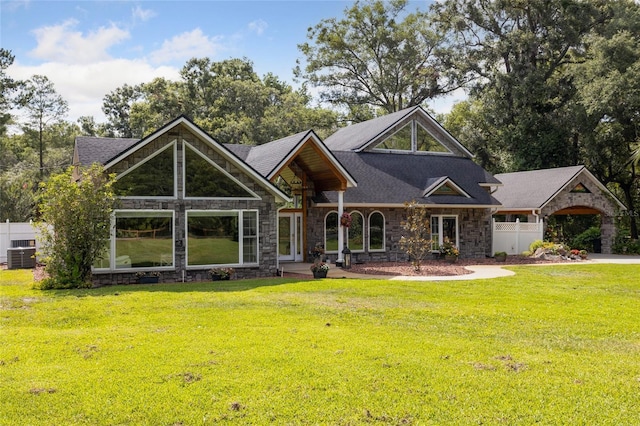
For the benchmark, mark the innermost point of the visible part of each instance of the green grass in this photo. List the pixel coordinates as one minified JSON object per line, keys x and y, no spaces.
{"x":551,"y":345}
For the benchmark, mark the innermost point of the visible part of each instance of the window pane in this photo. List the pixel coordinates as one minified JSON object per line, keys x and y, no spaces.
{"x":355,"y":242}
{"x":212,"y":238}
{"x":203,"y":179}
{"x":143,"y":242}
{"x":154,"y":178}
{"x":250,"y":239}
{"x":400,"y":140}
{"x":376,"y":231}
{"x":435,"y":233}
{"x":449,"y":229}
{"x":426,"y":142}
{"x":331,"y":232}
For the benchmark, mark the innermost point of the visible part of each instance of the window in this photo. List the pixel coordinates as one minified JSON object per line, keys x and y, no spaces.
{"x":331,"y":232}
{"x":222,"y":238}
{"x":412,"y":138}
{"x":442,"y":228}
{"x":355,"y":233}
{"x":376,"y":232}
{"x":154,"y":177}
{"x":143,"y":239}
{"x":204,"y":179}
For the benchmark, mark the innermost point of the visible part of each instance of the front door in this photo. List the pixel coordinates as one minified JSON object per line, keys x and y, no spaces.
{"x":290,"y":236}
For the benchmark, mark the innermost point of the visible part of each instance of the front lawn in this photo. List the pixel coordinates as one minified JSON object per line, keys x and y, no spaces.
{"x":551,"y":345}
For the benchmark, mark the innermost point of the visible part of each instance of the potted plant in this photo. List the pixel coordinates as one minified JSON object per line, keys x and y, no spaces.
{"x":320,"y":269}
{"x":220,"y":274}
{"x":583,"y":254}
{"x":317,"y":252}
{"x":449,"y":251}
{"x":500,"y":256}
{"x":147,"y":277}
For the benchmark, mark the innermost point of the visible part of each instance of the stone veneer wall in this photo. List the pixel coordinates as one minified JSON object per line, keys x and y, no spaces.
{"x":266,"y":207}
{"x":596,"y":199}
{"x":474,"y":226}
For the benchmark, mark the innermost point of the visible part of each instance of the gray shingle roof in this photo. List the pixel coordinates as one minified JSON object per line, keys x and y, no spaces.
{"x":100,"y":150}
{"x":265,"y":158}
{"x":533,"y":189}
{"x":385,"y":178}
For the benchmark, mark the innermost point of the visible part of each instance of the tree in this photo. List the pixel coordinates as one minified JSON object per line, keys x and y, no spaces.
{"x":7,"y":87}
{"x":117,"y":107}
{"x":378,"y":55}
{"x":75,"y":224}
{"x":518,"y":53}
{"x":44,"y":106}
{"x":610,"y":96}
{"x":415,"y":240}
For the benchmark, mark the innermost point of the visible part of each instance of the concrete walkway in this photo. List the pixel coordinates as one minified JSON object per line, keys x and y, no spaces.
{"x":478,"y":271}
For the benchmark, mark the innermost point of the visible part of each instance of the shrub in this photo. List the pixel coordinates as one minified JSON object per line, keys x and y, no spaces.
{"x":586,"y":240}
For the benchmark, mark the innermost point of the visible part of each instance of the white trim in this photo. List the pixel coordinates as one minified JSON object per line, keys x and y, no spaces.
{"x":310,"y":135}
{"x":384,"y":233}
{"x":446,"y":181}
{"x":187,"y":145}
{"x":141,"y":213}
{"x":397,"y":205}
{"x":237,"y":213}
{"x":173,"y":144}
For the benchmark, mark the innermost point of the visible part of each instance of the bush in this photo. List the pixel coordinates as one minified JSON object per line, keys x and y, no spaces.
{"x":587,"y":239}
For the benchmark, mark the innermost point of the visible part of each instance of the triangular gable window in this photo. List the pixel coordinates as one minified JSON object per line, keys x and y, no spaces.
{"x":153,"y":177}
{"x":580,"y":189}
{"x":399,"y":141}
{"x":427,"y":143}
{"x":205,"y":179}
{"x":412,"y":138}
{"x":447,"y":187}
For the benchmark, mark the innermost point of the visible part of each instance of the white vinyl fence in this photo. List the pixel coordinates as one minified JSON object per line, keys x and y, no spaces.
{"x":515,"y":237}
{"x":16,"y":234}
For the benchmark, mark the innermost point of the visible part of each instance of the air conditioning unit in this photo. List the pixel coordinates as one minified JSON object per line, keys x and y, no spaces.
{"x":21,"y":258}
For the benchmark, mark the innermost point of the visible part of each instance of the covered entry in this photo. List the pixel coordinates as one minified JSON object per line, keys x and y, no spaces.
{"x":300,"y":165}
{"x":537,"y":195}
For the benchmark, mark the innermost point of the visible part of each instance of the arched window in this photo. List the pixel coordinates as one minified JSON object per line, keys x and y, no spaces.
{"x":376,"y":232}
{"x":355,"y":233}
{"x":331,"y":232}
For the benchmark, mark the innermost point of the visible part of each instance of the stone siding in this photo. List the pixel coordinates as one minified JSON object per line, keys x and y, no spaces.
{"x":474,"y":227}
{"x":595,"y":199}
{"x":266,"y":207}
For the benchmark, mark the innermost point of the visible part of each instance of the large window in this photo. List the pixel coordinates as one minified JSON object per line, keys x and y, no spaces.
{"x":376,"y":232}
{"x":222,"y":238}
{"x":204,"y":179}
{"x":331,"y":230}
{"x":143,"y":239}
{"x":154,"y":177}
{"x":444,"y":228}
{"x":355,"y":233}
{"x":413,"y":138}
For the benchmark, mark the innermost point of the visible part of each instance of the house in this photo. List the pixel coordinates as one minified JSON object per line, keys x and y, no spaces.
{"x":540,"y":194}
{"x":189,"y":203}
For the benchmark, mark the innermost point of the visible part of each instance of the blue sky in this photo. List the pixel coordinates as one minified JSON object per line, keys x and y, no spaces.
{"x":89,"y":48}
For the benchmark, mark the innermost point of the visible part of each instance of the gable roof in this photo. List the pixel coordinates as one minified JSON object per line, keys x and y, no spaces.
{"x":90,"y":154}
{"x":359,"y":136}
{"x":390,"y":179}
{"x":534,"y":189}
{"x":310,"y":153}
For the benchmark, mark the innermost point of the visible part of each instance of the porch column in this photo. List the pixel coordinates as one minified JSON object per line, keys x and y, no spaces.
{"x":340,"y":227}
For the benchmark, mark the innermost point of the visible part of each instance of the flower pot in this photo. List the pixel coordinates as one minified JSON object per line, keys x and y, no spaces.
{"x":450,"y":258}
{"x":148,"y":280}
{"x":320,"y":274}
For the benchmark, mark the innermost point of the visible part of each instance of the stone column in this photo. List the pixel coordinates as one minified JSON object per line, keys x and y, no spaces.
{"x":607,"y":233}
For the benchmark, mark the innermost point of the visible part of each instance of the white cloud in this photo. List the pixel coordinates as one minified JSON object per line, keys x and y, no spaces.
{"x":186,"y":46}
{"x":258,"y":27}
{"x":84,"y":85}
{"x":60,"y":43}
{"x":143,"y":15}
